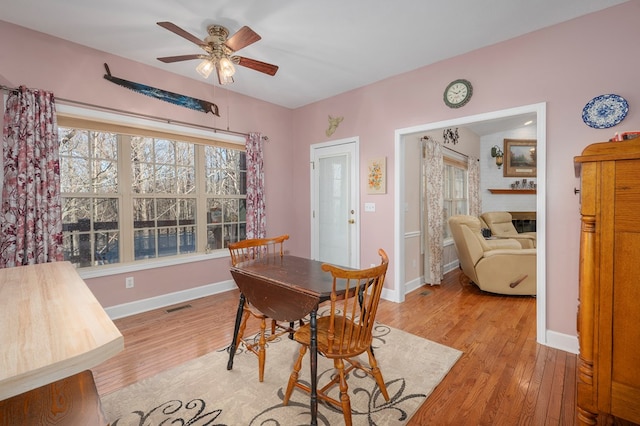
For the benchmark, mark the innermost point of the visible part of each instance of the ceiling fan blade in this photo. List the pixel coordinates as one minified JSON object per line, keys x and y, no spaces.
{"x":170,"y":59}
{"x":243,"y":38}
{"x":182,"y":33}
{"x":255,"y":65}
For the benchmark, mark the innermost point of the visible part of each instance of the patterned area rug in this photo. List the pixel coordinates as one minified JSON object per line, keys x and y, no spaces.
{"x":202,"y":392}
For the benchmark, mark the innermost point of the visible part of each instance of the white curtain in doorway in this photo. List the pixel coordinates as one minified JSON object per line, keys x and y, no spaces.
{"x":473,"y":173}
{"x":433,"y":180}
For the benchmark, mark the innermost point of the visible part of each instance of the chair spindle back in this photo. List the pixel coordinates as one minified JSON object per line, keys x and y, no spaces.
{"x":359,"y":304}
{"x":256,"y":248}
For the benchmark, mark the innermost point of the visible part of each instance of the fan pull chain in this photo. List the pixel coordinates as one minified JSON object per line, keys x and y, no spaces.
{"x":227,"y":98}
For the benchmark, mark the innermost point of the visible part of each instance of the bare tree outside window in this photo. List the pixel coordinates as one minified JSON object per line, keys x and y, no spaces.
{"x":163,"y":174}
{"x":226,"y":178}
{"x":89,"y":183}
{"x":159,"y":190}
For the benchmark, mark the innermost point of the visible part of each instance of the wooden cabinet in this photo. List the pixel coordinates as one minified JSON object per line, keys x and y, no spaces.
{"x":608,"y":376}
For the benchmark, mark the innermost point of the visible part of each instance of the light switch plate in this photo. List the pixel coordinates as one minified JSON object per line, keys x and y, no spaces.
{"x":369,"y":207}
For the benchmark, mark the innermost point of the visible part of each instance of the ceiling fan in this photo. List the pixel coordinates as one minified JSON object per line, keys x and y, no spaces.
{"x":220,"y":49}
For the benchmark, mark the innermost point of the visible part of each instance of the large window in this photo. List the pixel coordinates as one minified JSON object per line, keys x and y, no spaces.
{"x":129,"y":197}
{"x":90,"y":201}
{"x":226,"y":173}
{"x":164,"y":197}
{"x":455,"y":192}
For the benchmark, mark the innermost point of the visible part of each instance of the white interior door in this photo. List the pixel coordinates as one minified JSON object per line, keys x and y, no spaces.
{"x":334,"y":203}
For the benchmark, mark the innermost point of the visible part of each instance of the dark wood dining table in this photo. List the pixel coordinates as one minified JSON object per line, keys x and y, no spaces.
{"x":285,"y":288}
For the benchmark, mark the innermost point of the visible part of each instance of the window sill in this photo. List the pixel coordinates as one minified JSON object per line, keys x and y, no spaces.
{"x":107,"y":270}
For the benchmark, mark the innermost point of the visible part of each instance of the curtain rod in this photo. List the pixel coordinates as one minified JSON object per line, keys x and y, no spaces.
{"x":424,"y":138}
{"x":138,"y":115}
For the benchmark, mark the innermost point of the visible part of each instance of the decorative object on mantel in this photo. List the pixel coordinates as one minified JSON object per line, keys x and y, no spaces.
{"x":450,"y":136}
{"x":523,"y":184}
{"x":333,"y":125}
{"x":605,"y":111}
{"x":520,"y":158}
{"x":377,"y":181}
{"x":497,"y":153}
{"x":163,"y":95}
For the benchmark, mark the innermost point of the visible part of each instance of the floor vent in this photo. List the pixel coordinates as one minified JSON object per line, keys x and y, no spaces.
{"x":425,"y":293}
{"x":177,"y":308}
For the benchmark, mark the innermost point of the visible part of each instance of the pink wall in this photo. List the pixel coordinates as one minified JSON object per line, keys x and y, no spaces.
{"x":565,"y":66}
{"x":75,"y":72}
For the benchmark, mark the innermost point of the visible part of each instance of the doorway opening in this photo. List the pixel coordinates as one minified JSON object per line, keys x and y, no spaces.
{"x":496,"y":118}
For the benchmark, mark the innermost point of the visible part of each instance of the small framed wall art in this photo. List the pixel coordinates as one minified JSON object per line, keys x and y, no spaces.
{"x":520,"y":158}
{"x":377,"y":177}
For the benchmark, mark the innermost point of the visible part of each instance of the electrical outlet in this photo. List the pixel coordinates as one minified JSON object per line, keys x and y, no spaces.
{"x":128,"y":282}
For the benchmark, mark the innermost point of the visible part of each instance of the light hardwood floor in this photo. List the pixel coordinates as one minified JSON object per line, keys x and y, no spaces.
{"x":503,"y":378}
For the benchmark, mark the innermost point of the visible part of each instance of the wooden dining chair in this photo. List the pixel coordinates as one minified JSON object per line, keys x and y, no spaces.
{"x":248,"y":250}
{"x":345,"y":332}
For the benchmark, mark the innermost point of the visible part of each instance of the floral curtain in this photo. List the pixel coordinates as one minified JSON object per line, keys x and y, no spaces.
{"x":31,"y":218}
{"x":473,"y":188}
{"x":433,"y":175}
{"x":256,"y":215}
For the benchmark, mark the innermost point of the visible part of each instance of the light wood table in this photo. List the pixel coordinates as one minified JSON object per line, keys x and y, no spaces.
{"x":51,"y":327}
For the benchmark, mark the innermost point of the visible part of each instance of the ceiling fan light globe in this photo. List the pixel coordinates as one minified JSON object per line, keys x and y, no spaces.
{"x":226,"y":67}
{"x":225,"y":71}
{"x":225,"y":80}
{"x":205,"y":68}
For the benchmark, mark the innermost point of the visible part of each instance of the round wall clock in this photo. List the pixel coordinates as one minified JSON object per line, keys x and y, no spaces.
{"x":458,"y":93}
{"x":605,"y":111}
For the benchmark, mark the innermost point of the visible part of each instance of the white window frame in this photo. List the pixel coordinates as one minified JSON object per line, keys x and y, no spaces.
{"x":188,"y":133}
{"x":455,"y":162}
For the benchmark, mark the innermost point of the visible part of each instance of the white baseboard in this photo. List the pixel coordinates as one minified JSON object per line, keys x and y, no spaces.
{"x":451,"y":266}
{"x":394,"y":295}
{"x":390,"y":295}
{"x":144,"y":305}
{"x":564,"y":342}
{"x":555,"y":340}
{"x":413,"y":285}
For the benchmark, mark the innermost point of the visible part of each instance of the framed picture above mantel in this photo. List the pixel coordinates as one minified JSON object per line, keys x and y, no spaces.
{"x":520,"y":158}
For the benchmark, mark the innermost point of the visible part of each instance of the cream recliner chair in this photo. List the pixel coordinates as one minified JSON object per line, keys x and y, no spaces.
{"x":496,"y":266}
{"x":502,"y":227}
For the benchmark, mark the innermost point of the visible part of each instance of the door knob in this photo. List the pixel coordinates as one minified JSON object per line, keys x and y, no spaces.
{"x":352,"y":221}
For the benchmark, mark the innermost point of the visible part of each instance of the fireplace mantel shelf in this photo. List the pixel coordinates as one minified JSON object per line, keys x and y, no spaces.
{"x":512,"y":191}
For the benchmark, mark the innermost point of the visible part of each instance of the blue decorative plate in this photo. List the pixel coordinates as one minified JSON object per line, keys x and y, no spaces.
{"x":605,"y":111}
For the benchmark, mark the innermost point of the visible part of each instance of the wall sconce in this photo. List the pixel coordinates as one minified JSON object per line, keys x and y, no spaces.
{"x":497,"y":153}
